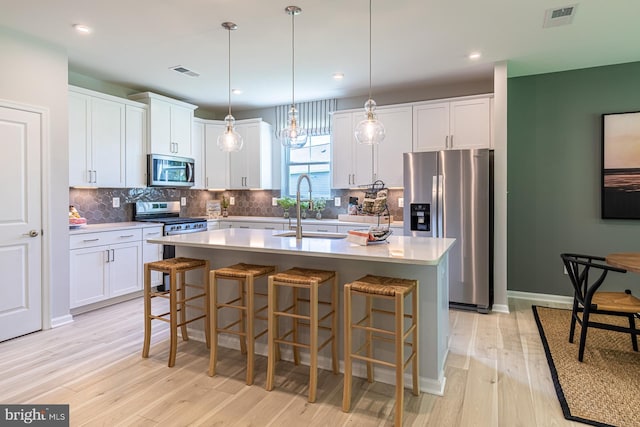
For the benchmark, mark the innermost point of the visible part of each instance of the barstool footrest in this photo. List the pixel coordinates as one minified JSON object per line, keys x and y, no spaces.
{"x":186,"y":322}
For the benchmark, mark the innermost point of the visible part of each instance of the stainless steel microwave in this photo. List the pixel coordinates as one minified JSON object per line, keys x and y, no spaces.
{"x":169,"y":171}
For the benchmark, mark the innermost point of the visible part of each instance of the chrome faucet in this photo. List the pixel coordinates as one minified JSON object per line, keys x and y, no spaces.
{"x":298,"y":203}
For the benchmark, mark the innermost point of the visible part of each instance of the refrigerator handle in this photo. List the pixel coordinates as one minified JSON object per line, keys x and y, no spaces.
{"x":436,"y":209}
{"x":440,"y":205}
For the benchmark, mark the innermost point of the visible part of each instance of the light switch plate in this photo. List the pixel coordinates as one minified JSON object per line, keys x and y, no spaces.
{"x":232,"y":200}
{"x":183,"y":201}
{"x":336,"y":201}
{"x":401,"y":202}
{"x":116,"y":202}
{"x":274,"y":201}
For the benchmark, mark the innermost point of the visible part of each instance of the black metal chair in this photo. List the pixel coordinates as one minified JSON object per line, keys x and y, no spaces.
{"x":587,"y":300}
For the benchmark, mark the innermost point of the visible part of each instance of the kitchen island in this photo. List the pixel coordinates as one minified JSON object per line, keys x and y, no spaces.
{"x":422,"y":258}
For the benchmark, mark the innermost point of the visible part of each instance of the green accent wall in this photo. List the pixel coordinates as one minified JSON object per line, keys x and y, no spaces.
{"x":554,"y":174}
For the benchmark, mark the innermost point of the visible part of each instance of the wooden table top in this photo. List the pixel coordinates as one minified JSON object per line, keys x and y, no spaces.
{"x":628,"y":260}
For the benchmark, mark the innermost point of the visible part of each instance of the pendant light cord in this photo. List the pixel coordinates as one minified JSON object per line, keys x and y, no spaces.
{"x":229,"y":69}
{"x":370,"y":49}
{"x":293,"y":68}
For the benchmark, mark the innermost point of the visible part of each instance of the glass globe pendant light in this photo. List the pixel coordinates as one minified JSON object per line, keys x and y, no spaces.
{"x":230,"y":140}
{"x":371,"y":130}
{"x":293,"y":136}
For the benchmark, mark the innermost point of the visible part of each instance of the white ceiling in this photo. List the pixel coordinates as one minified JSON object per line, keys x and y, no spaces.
{"x":415,"y":43}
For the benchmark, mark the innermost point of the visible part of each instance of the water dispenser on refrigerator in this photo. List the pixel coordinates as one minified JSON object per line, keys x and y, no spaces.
{"x":420,"y":217}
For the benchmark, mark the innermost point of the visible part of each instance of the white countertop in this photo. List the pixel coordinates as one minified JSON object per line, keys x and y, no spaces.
{"x":397,"y":249}
{"x":112,"y":226}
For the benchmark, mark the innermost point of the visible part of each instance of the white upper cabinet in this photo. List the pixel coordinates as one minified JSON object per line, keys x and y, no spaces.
{"x":352,"y":162}
{"x":80,"y":165}
{"x":431,"y":127}
{"x":252,"y":167}
{"x":136,"y":146}
{"x":217,"y":161}
{"x":197,"y":153}
{"x":452,"y":124}
{"x":357,"y":164}
{"x":96,"y":140}
{"x":388,"y":154}
{"x":170,"y":124}
{"x":107,"y":140}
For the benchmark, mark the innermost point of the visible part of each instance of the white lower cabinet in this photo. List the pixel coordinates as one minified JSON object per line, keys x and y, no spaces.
{"x":104,"y":265}
{"x":89,"y":279}
{"x":152,"y":252}
{"x":125,"y":268}
{"x":317,"y":227}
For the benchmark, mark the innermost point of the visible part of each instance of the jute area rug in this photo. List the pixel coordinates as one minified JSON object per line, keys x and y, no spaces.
{"x":603,"y":390}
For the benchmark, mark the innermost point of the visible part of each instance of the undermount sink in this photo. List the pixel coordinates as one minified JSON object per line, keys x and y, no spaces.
{"x":313,"y":234}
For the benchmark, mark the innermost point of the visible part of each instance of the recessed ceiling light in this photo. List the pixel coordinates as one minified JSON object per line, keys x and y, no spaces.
{"x":236,"y":91}
{"x":82,"y":29}
{"x":474,"y":55}
{"x":338,"y":76}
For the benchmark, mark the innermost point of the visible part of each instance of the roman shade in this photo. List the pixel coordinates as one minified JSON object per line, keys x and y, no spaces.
{"x":314,"y":116}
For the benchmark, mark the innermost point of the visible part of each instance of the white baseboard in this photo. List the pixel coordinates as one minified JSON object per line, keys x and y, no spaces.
{"x":500,"y":308}
{"x":541,"y":298}
{"x":106,"y":303}
{"x":61,"y":320}
{"x":381,"y":374}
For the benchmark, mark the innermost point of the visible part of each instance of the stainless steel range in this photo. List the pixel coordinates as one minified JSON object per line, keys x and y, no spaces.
{"x":168,"y":213}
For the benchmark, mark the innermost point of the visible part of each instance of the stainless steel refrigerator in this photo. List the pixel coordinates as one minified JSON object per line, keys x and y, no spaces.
{"x":450,"y":194}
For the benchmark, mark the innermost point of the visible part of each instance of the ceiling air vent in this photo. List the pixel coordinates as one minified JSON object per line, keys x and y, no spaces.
{"x":185,"y":71}
{"x":559,"y":16}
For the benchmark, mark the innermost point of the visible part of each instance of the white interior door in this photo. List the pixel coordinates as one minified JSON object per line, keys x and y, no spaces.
{"x":20,"y":223}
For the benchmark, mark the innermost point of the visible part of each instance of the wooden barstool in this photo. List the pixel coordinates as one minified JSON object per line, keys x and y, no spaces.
{"x":310,"y":279}
{"x":178,"y":300}
{"x":388,"y":288}
{"x":244,"y":275}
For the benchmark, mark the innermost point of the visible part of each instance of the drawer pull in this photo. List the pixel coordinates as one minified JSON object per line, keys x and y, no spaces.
{"x":127,"y":236}
{"x":243,"y":226}
{"x":153,"y":234}
{"x":269,"y":228}
{"x":90,"y":240}
{"x":325,"y":230}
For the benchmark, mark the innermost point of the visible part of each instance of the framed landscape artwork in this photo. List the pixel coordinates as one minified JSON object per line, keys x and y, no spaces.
{"x":621,"y":166}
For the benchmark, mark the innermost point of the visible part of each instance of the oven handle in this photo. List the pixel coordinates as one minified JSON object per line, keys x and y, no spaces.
{"x":173,"y":233}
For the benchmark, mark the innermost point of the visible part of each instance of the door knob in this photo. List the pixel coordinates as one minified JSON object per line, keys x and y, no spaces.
{"x":32,"y":233}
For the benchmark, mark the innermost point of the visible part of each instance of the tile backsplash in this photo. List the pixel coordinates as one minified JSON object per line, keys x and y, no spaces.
{"x":96,"y":205}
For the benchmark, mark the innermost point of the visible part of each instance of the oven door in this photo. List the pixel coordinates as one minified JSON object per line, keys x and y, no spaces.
{"x":169,"y":251}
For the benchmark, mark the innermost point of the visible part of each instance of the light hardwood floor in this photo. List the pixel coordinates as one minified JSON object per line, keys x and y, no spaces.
{"x":497,"y":375}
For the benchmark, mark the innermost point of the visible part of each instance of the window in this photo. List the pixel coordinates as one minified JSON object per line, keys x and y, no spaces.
{"x":313,"y":159}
